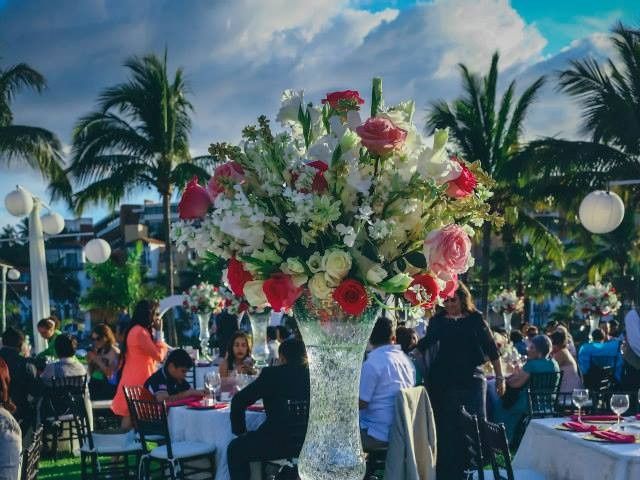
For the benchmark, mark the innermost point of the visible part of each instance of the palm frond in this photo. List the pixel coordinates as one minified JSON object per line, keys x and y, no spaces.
{"x":519,"y":112}
{"x":544,"y":241}
{"x":36,"y":147}
{"x":17,"y":77}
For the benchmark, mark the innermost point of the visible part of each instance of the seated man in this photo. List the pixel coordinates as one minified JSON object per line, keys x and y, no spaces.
{"x":169,"y":382}
{"x":67,"y":365}
{"x":589,"y":354}
{"x":386,"y":371}
{"x":281,"y":435}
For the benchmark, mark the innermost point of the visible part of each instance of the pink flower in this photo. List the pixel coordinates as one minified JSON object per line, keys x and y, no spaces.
{"x":463,"y":185}
{"x":280,"y":291}
{"x":344,"y":101}
{"x":320,"y":184}
{"x":450,"y":288}
{"x":195,"y":201}
{"x":224,"y":178}
{"x":448,"y":251}
{"x":381,"y":136}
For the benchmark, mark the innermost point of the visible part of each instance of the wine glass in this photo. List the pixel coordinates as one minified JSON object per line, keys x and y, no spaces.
{"x":580,"y":397}
{"x":212,"y":382}
{"x":619,"y":404}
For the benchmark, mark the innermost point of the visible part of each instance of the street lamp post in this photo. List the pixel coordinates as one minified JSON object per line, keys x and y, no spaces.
{"x":7,"y":272}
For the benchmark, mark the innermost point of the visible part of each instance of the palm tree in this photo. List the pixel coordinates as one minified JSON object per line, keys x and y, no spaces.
{"x":36,"y":147}
{"x":137,"y":138}
{"x":487,"y":131}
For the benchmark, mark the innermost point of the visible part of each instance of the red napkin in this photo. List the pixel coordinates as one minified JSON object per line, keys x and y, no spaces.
{"x":256,"y":408}
{"x":595,"y":418}
{"x":614,"y":437}
{"x":579,"y":427}
{"x":200,"y":406}
{"x":184,"y":401}
{"x":637,"y":416}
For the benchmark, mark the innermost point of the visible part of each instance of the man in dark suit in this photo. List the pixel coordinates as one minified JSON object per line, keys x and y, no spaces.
{"x":24,"y":379}
{"x":282,"y":433}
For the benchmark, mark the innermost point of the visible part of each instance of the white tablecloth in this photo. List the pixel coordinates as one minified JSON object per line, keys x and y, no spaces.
{"x":562,"y":455}
{"x":212,"y":427}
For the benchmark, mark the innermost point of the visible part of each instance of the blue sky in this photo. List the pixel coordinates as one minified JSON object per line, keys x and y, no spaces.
{"x":240,"y":55}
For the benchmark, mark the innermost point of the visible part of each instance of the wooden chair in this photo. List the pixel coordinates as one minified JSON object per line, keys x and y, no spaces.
{"x":180,"y":459}
{"x":297,"y":423}
{"x":471,"y":445}
{"x":31,"y":456}
{"x":59,"y":421}
{"x":114,"y":449}
{"x":494,"y":444}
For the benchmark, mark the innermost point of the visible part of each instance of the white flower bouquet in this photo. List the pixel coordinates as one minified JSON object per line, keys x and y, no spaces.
{"x":596,"y":300}
{"x":507,"y":301}
{"x":203,"y":298}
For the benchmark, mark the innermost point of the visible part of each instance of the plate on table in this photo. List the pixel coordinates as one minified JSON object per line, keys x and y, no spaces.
{"x":565,"y":429}
{"x":591,"y":438}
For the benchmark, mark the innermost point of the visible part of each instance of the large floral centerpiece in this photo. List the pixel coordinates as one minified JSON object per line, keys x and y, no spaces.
{"x":596,"y":301}
{"x":203,"y":299}
{"x":506,"y":303}
{"x":330,"y":217}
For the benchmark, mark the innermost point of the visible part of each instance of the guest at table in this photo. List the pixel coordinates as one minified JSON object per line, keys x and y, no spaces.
{"x":517,"y":339}
{"x":103,"y":363}
{"x":459,"y":341}
{"x":67,"y":364}
{"x":281,"y":435}
{"x":532,"y":332}
{"x":144,"y":347}
{"x":608,"y":351}
{"x":238,"y":357}
{"x":272,"y":346}
{"x":226,"y":325}
{"x":170,"y":383}
{"x":284,"y":333}
{"x":10,"y":433}
{"x":47,"y":328}
{"x":386,"y":371}
{"x":510,"y":409}
{"x":631,"y":350}
{"x":560,"y":353}
{"x":26,"y":387}
{"x":407,"y":338}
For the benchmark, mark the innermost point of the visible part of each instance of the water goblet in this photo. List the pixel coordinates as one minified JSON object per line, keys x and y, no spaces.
{"x":580,"y":397}
{"x":619,"y":404}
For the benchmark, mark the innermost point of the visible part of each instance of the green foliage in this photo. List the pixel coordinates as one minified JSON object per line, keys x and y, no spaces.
{"x":119,"y":286}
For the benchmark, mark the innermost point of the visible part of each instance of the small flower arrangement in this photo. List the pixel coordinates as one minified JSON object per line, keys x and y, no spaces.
{"x":348,"y":209}
{"x":203,"y":298}
{"x":507,"y":302}
{"x":596,"y":299}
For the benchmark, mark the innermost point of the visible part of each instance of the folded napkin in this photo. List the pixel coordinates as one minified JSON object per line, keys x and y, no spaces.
{"x":184,"y":401}
{"x":579,"y":427}
{"x":614,"y":437}
{"x":201,"y":406}
{"x":595,"y":418}
{"x":256,"y":408}
{"x":637,"y":416}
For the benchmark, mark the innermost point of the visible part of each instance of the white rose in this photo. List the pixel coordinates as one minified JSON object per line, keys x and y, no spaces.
{"x":299,"y":280}
{"x":315,"y":262}
{"x":254,"y":294}
{"x":318,"y":286}
{"x":293,"y":266}
{"x":331,"y":281}
{"x":336,"y":263}
{"x":376,"y":274}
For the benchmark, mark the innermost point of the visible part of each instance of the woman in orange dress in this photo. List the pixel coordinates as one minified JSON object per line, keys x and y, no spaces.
{"x":143,"y":348}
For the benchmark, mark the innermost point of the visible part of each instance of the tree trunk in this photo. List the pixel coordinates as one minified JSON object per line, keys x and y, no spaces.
{"x":486,"y":262}
{"x":168,"y":261}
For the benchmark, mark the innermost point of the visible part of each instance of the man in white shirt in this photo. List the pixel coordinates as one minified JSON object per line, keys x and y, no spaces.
{"x":386,"y":371}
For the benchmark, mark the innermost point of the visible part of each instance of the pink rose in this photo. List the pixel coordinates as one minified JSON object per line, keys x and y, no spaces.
{"x":463,"y":185}
{"x":195,"y":201}
{"x":381,"y":136}
{"x":448,"y":251}
{"x":224,"y":178}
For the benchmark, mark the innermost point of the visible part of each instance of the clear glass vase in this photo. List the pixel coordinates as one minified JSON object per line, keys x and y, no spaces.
{"x":203,"y":321}
{"x":259,"y":324}
{"x":335,"y":343}
{"x":506,"y":316}
{"x":594,"y":322}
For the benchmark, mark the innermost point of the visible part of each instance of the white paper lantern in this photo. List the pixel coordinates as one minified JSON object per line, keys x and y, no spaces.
{"x":13,"y":274}
{"x":97,"y":251}
{"x":601,"y":212}
{"x":52,"y":223}
{"x":19,"y":202}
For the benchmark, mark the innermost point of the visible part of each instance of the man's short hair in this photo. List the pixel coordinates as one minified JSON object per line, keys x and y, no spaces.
{"x":382,"y":332}
{"x":65,"y":345}
{"x":597,"y":335}
{"x":12,"y":337}
{"x":272,"y":332}
{"x":179,"y":358}
{"x":47,"y":323}
{"x":294,"y":351}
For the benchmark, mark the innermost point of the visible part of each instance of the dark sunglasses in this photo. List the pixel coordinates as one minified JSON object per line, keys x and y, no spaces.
{"x":451,"y":299}
{"x":95,"y":339}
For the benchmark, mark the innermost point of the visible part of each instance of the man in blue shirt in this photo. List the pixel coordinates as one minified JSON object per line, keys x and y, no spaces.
{"x":593,"y":353}
{"x":386,"y":371}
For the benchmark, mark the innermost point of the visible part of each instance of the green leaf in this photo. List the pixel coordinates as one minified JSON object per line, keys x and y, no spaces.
{"x":402,"y":265}
{"x":376,"y":96}
{"x":417,"y":259}
{"x":396,"y":284}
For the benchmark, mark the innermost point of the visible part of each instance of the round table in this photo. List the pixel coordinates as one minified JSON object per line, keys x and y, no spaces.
{"x":212,"y":427}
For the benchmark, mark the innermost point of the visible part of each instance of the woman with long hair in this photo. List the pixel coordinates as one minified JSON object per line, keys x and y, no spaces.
{"x":238,"y":357}
{"x":10,"y":433}
{"x":458,"y":342}
{"x":143,"y":348}
{"x":103,"y":362}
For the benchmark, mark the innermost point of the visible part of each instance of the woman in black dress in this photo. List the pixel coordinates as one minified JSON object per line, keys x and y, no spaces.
{"x":458,"y":342}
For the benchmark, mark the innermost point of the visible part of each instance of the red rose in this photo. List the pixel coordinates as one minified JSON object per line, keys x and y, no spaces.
{"x":381,"y":136}
{"x":423,"y":291}
{"x":280,"y":291}
{"x":320,"y":183}
{"x":195,"y":201}
{"x":237,"y":276}
{"x":344,"y":101}
{"x":351,"y":296}
{"x":450,"y":288}
{"x":463,"y":185}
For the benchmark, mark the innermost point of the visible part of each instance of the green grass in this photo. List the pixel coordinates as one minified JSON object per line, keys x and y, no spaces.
{"x":67,"y":468}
